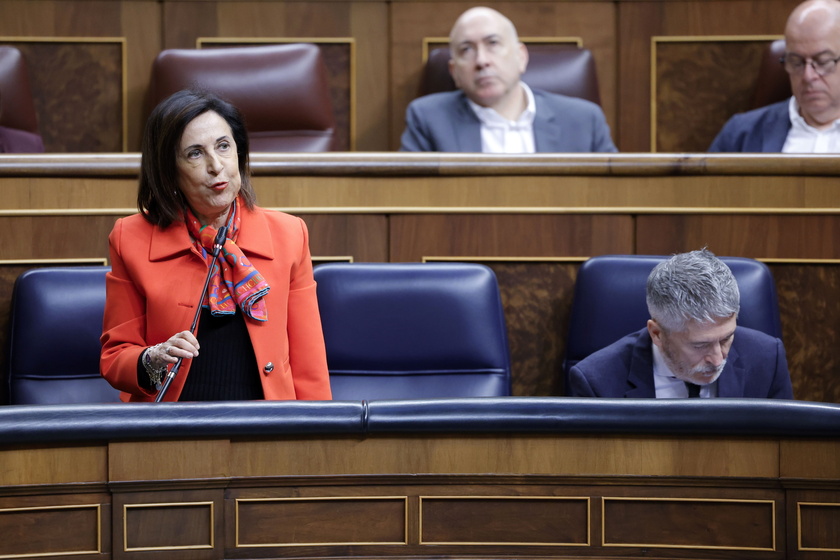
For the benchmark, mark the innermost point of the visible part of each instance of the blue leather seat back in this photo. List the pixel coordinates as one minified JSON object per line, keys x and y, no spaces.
{"x":609,"y":301}
{"x":411,"y":331}
{"x":54,"y":348}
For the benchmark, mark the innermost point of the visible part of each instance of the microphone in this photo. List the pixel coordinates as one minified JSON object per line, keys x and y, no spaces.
{"x":221,"y":235}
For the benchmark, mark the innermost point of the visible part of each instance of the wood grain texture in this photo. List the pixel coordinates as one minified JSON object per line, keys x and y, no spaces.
{"x":549,"y":455}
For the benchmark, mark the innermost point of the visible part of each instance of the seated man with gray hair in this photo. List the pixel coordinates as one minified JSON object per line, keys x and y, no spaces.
{"x":691,"y":346}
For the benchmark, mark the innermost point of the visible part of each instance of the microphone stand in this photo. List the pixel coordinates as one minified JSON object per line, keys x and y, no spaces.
{"x":217,"y":246}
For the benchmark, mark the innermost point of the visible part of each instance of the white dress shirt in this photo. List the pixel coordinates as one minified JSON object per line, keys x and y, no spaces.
{"x":668,"y":386}
{"x":803,"y":138}
{"x":501,"y":136}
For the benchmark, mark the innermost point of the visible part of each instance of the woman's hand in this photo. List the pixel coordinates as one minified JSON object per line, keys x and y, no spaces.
{"x":180,"y":345}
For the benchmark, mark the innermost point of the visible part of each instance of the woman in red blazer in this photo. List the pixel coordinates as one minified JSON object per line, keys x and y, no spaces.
{"x":259,"y":334}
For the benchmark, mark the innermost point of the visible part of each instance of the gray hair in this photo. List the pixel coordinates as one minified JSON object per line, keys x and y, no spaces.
{"x":695,"y":286}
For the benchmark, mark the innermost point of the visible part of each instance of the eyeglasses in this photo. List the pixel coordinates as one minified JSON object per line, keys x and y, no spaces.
{"x":795,"y":64}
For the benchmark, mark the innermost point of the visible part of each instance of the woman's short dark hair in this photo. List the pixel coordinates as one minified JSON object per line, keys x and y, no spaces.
{"x":159,"y":198}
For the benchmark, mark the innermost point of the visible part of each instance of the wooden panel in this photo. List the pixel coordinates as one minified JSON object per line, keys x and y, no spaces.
{"x":169,"y":525}
{"x":79,"y":83}
{"x":173,"y":460}
{"x":362,"y":237}
{"x":50,"y":530}
{"x":55,"y":237}
{"x":320,"y":521}
{"x":186,"y":522}
{"x":777,"y":236}
{"x":559,"y":455}
{"x":802,"y":459}
{"x":683,"y":83}
{"x":33,"y":464}
{"x":681,"y":523}
{"x":537,"y":301}
{"x":809,"y":301}
{"x":818,"y":522}
{"x":504,"y":520}
{"x":423,"y":236}
{"x":411,"y":22}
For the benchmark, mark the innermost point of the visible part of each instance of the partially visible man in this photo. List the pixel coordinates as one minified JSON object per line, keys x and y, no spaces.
{"x":494,"y":111}
{"x":808,"y":122}
{"x":691,"y":346}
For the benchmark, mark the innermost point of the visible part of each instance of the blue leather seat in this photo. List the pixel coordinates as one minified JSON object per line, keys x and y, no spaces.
{"x":609,"y":301}
{"x":413,"y":331}
{"x":56,"y":322}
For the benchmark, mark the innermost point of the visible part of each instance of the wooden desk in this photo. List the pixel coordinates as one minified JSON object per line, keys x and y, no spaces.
{"x":501,"y":478}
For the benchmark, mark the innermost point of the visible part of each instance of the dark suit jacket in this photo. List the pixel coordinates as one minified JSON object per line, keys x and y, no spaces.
{"x":756,"y":367}
{"x":153,"y":287}
{"x":760,"y":130}
{"x":444,"y":122}
{"x":13,"y":141}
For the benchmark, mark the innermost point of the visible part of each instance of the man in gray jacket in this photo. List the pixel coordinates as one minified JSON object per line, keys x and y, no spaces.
{"x":494,"y":111}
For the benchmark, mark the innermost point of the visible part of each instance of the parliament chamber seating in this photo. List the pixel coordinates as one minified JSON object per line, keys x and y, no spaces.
{"x":413,"y":330}
{"x":281,"y":91}
{"x":56,"y":321}
{"x":17,"y":106}
{"x":772,"y":84}
{"x":567,"y":70}
{"x":609,"y":301}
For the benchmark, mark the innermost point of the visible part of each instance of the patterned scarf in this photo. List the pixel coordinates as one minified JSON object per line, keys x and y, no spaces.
{"x":234,"y":280}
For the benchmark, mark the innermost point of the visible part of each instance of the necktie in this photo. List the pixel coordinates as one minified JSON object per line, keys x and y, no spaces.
{"x":693,"y":390}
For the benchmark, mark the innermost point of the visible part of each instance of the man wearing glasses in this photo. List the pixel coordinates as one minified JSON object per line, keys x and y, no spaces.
{"x":809,"y":122}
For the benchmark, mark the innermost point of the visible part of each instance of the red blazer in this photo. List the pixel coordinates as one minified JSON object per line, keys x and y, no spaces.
{"x":153,"y":289}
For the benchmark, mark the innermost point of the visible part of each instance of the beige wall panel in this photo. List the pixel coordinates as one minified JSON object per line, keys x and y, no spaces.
{"x":411,"y":22}
{"x":560,"y":455}
{"x":639,"y":21}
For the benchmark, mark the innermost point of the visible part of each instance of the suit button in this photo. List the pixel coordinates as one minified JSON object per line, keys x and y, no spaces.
{"x":269,"y":367}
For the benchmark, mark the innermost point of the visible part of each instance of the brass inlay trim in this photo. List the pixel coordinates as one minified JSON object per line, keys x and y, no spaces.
{"x":404,"y":499}
{"x":548,"y":259}
{"x":211,"y":545}
{"x":799,"y":525}
{"x":604,"y":499}
{"x":561,"y":40}
{"x":654,"y":40}
{"x":518,"y":498}
{"x":351,"y":41}
{"x":123,"y":67}
{"x":91,"y":261}
{"x":621,"y":210}
{"x":97,"y":507}
{"x":498,"y":259}
{"x":329,"y":259}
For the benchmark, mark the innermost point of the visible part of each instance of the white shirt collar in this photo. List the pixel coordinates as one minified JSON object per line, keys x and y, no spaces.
{"x":668,"y":386}
{"x":502,"y":136}
{"x":804,"y":138}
